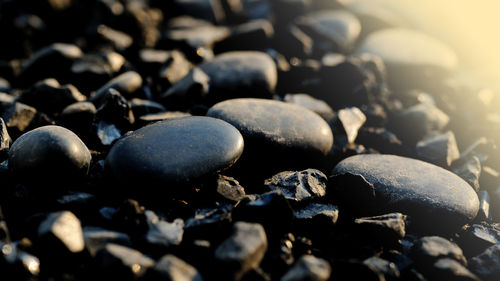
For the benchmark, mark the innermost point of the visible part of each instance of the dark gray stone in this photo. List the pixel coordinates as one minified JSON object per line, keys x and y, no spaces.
{"x":170,"y":267}
{"x":299,"y":186}
{"x":125,"y":83}
{"x":17,"y":116}
{"x":484,"y":212}
{"x":175,"y":68}
{"x":346,"y":125}
{"x":449,"y":269}
{"x":61,"y":233}
{"x":469,"y":169}
{"x":439,"y":149}
{"x":96,"y":238}
{"x":49,"y":153}
{"x":332,"y":30}
{"x":308,"y":267}
{"x":429,"y":194}
{"x":244,"y":250}
{"x":161,"y":116}
{"x":192,"y":88}
{"x":418,"y":121}
{"x":241,"y":74}
{"x":123,"y":262}
{"x":175,"y":150}
{"x":387,"y":228}
{"x":120,"y":41}
{"x":487,"y":264}
{"x":429,"y":249}
{"x":318,"y":106}
{"x":410,"y":56}
{"x":476,"y":238}
{"x":383,"y":266}
{"x":286,"y":135}
{"x":316,"y":215}
{"x":252,"y":35}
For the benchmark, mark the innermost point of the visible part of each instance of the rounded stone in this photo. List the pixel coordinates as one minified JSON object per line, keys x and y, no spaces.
{"x":434,"y":198}
{"x":241,"y":74}
{"x":410,"y":57}
{"x":49,"y":153}
{"x":277,"y":133}
{"x":175,"y":151}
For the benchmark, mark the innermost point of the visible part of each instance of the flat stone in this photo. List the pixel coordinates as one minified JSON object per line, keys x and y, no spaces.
{"x":408,"y":55}
{"x":469,"y":169}
{"x":432,"y":248}
{"x":96,"y":238}
{"x":123,"y":262}
{"x":125,"y":83}
{"x":175,"y":150}
{"x":317,"y":216}
{"x":476,"y":238}
{"x":339,"y":27}
{"x":316,"y":105}
{"x":50,"y":153}
{"x":429,"y":194}
{"x":389,"y":227}
{"x":279,"y":132}
{"x":241,"y":74}
{"x":449,"y":269}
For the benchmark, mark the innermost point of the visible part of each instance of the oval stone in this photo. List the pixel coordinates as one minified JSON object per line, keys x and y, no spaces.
{"x":176,"y":150}
{"x":241,"y":74}
{"x":277,"y":133}
{"x":433,"y":197}
{"x":49,"y":153}
{"x":410,"y":57}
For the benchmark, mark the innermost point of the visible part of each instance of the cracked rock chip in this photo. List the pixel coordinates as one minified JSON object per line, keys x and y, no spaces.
{"x":299,"y":186}
{"x":243,"y":251}
{"x":487,"y":264}
{"x":430,"y":195}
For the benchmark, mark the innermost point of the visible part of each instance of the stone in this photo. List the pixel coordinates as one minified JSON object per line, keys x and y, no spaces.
{"x":50,"y":97}
{"x":120,"y":41}
{"x":383,"y":266}
{"x":142,"y":107}
{"x":243,"y":251}
{"x":205,"y":9}
{"x":299,"y":186}
{"x":287,"y":135}
{"x":389,"y":228}
{"x":469,"y":169}
{"x":18,"y":116}
{"x":185,"y":149}
{"x":61,"y":232}
{"x":96,"y":238}
{"x":229,"y":188}
{"x":379,"y":139}
{"x":308,"y":267}
{"x":209,"y":224}
{"x":438,"y":149}
{"x":449,"y":269}
{"x":476,"y":238}
{"x":487,"y":264}
{"x":4,"y":85}
{"x":270,"y":209}
{"x":317,"y":216}
{"x":241,"y":74}
{"x":14,"y":261}
{"x":49,"y":153}
{"x":126,"y":84}
{"x":175,"y":67}
{"x":161,"y":116}
{"x":123,"y":262}
{"x":346,"y":125}
{"x":331,"y":30}
{"x":316,"y":105}
{"x":162,"y":233}
{"x":59,"y":56}
{"x":5,"y":139}
{"x":375,"y":16}
{"x":429,"y":249}
{"x":252,"y":35}
{"x":410,"y":56}
{"x":484,"y":212}
{"x":192,"y":88}
{"x":388,"y":183}
{"x":170,"y":267}
{"x":417,"y":122}
{"x":90,"y":72}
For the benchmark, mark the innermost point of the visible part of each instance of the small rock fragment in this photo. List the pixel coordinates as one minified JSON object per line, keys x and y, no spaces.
{"x":487,"y":264}
{"x":308,"y":267}
{"x":439,"y":149}
{"x":469,"y":169}
{"x":61,"y":232}
{"x":96,"y":238}
{"x":244,"y":250}
{"x":230,"y":188}
{"x":172,"y":268}
{"x":123,"y":262}
{"x":431,"y":248}
{"x":388,"y":229}
{"x":299,"y":186}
